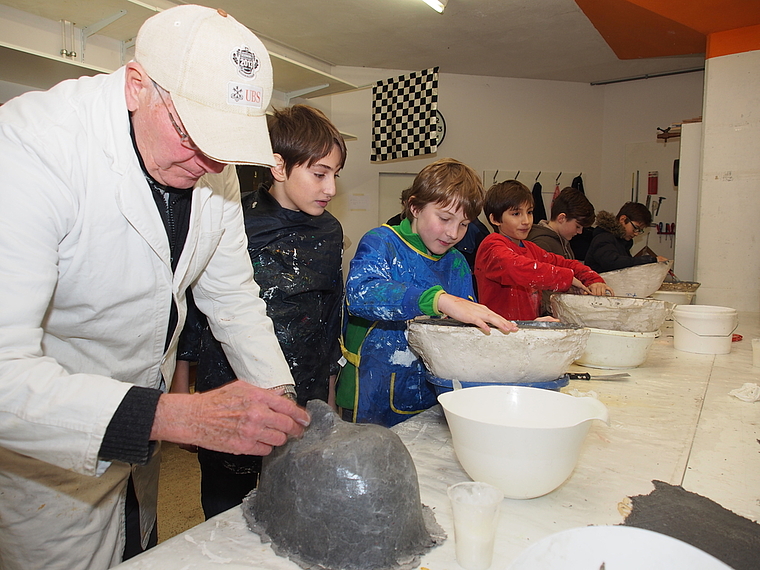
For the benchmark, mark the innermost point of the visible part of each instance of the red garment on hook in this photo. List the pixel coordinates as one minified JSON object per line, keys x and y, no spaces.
{"x":556,"y":193}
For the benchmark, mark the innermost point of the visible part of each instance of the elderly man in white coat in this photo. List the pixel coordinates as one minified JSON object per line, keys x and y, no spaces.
{"x":115,"y":199}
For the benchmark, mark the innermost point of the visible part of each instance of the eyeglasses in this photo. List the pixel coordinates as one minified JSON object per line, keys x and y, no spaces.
{"x":185,"y":139}
{"x":636,"y":229}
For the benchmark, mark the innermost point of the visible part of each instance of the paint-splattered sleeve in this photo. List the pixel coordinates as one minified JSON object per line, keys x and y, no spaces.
{"x":528,"y":267}
{"x":584,"y":273}
{"x":380,"y":280}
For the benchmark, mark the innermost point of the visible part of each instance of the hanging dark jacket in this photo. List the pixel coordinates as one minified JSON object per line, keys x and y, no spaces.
{"x":539,"y":210}
{"x":578,"y":183}
{"x":609,"y":250}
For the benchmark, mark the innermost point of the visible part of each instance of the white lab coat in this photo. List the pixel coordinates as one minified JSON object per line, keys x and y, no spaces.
{"x":85,"y":295}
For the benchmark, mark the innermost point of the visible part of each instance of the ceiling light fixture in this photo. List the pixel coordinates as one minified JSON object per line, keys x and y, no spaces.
{"x":437,"y":5}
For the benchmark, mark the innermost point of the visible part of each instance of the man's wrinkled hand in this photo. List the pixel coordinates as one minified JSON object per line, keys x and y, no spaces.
{"x":236,"y":418}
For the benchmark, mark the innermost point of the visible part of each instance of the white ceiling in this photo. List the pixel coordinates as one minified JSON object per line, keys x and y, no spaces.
{"x":535,"y":39}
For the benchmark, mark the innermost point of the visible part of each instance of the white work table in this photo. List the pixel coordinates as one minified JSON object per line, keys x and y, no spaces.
{"x":673,"y":420}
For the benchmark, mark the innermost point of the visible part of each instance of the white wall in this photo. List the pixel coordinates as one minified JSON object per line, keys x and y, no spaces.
{"x":690,"y":173}
{"x":728,"y":264}
{"x":654,"y":156}
{"x":492,"y":124}
{"x":516,"y":124}
{"x":632,"y":112}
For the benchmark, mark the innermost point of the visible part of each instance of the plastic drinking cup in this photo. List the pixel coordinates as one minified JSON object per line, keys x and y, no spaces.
{"x":476,"y":515}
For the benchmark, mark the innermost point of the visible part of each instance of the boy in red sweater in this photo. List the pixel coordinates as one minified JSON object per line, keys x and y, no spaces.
{"x":511,"y":272}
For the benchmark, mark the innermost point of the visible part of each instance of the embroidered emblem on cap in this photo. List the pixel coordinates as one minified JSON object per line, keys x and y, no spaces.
{"x":246,"y":61}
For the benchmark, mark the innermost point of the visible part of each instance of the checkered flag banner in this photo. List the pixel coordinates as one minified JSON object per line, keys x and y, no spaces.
{"x":403,"y":116}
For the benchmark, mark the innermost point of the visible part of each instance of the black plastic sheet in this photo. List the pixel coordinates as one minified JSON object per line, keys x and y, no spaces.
{"x":698,"y":521}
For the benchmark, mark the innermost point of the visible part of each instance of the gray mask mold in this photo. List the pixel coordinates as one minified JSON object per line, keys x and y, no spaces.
{"x":343,"y":497}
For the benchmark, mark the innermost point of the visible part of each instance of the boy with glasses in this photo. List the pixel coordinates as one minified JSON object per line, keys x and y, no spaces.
{"x":610,"y":247}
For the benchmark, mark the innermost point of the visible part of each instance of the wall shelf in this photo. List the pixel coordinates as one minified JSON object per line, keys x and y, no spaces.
{"x":295,"y":79}
{"x":120,"y":20}
{"x":40,"y":70}
{"x":669,"y":135}
{"x":23,"y":66}
{"x":674,"y":130}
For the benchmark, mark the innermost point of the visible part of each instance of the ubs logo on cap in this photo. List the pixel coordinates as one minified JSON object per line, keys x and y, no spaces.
{"x":246,"y":61}
{"x":245,"y":95}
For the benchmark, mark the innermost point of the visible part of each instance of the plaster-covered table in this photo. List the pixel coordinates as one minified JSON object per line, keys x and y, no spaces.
{"x":672,"y":420}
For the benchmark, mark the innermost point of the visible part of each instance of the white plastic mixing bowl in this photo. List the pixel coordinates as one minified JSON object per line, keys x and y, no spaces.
{"x":616,"y":349}
{"x":525,"y":441}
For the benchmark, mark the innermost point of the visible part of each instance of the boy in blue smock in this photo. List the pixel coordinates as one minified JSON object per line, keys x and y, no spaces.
{"x":402,"y":272}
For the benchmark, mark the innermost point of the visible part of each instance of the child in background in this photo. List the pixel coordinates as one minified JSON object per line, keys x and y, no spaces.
{"x":296,"y":250}
{"x":571,"y":212}
{"x":402,"y":272}
{"x":610,"y":247}
{"x":511,"y":272}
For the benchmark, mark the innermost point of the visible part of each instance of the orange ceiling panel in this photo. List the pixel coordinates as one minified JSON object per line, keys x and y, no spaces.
{"x":634,"y":32}
{"x":740,"y":40}
{"x":706,"y":16}
{"x":656,"y":28}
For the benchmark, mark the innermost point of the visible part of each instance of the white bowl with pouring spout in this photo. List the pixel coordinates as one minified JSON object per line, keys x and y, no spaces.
{"x":524,"y":441}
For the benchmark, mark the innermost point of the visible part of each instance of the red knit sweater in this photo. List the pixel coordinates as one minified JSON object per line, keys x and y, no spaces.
{"x":511,"y":277}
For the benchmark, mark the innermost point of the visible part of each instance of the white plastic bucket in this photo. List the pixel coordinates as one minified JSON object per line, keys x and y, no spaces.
{"x":704,"y":329}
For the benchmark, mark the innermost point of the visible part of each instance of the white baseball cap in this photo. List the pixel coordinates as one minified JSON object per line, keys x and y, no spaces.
{"x":219,"y":76}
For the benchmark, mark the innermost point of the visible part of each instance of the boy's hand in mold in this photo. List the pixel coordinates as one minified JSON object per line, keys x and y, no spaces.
{"x":600,"y":289}
{"x":473,"y":313}
{"x":580,"y":286}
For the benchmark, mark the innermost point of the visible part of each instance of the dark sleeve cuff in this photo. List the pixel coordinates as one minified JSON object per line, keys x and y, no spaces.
{"x":127,"y":436}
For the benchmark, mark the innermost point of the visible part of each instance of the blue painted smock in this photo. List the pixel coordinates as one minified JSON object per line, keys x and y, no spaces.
{"x":385,"y":382}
